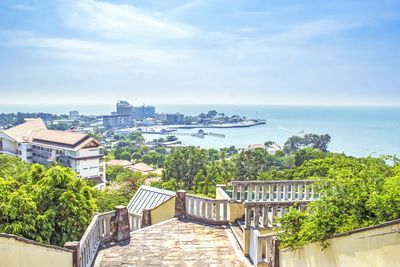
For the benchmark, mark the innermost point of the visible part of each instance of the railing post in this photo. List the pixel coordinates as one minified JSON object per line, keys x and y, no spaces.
{"x":122,"y":229}
{"x":247,"y":216}
{"x":74,"y":246}
{"x":146,"y":218}
{"x":242,"y":193}
{"x":274,"y":257}
{"x":180,"y":204}
{"x":234,"y":192}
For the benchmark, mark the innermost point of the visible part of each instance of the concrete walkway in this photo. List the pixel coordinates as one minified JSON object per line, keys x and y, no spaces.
{"x":176,"y":243}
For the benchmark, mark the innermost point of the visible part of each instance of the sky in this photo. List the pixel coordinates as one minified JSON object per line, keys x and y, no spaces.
{"x":282,"y":52}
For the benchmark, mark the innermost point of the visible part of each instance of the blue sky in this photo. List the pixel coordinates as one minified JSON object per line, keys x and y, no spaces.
{"x":200,"y":52}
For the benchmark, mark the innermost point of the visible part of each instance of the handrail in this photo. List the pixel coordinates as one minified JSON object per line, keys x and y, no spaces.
{"x":264,"y":212}
{"x":266,"y":241}
{"x":207,"y":209}
{"x":273,"y":190}
{"x":100,"y":231}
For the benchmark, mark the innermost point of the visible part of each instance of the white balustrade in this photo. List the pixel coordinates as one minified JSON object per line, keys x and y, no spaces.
{"x":135,"y":221}
{"x":263,"y":241}
{"x":98,"y":232}
{"x":263,"y":213}
{"x":207,"y":209}
{"x":273,"y":190}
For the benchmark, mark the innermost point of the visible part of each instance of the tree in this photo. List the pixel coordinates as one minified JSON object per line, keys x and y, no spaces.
{"x":308,"y":153}
{"x":295,"y":143}
{"x":250,"y":163}
{"x":153,"y":158}
{"x":183,"y":164}
{"x":125,"y":156}
{"x":49,"y":205}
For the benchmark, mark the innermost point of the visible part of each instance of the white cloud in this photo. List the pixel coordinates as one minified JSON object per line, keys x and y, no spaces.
{"x":124,"y":22}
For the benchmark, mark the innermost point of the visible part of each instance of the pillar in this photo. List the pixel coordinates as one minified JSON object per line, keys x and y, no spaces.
{"x":146,"y":218}
{"x":180,"y":204}
{"x":74,"y":246}
{"x":121,"y":227}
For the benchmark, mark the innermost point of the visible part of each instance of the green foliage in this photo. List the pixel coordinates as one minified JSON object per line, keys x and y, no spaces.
{"x":117,"y":193}
{"x":251,"y":163}
{"x":295,"y":143}
{"x":118,"y":173}
{"x":354,"y":193}
{"x":153,"y":158}
{"x":184,"y":164}
{"x":125,"y":156}
{"x":48,"y":205}
{"x":308,"y":153}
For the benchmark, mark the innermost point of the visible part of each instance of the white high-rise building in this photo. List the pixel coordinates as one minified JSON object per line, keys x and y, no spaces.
{"x":33,"y":142}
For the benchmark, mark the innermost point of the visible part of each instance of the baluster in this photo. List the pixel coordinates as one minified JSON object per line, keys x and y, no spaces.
{"x":203,"y":209}
{"x":191,"y":206}
{"x":300,"y":191}
{"x":278,"y":190}
{"x":249,"y":192}
{"x":271,"y":192}
{"x":209,"y":210}
{"x":234,"y":193}
{"x":198,"y":207}
{"x":247,"y":216}
{"x":217,"y":211}
{"x":257,"y":192}
{"x":107,"y":221}
{"x":256,"y":216}
{"x":264,"y":193}
{"x":242,"y":194}
{"x":265,"y":215}
{"x":306,"y":190}
{"x":285,"y":191}
{"x":274,"y":213}
{"x":225,"y":207}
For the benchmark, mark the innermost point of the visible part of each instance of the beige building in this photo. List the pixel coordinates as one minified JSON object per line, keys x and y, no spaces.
{"x":33,"y":142}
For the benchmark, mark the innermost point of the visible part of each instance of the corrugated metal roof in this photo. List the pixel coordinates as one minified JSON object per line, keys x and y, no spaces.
{"x":148,"y":197}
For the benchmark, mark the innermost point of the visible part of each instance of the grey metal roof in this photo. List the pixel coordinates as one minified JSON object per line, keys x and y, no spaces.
{"x":148,"y":197}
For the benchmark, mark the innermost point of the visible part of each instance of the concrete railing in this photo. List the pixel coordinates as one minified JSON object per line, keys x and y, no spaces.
{"x":99,"y":231}
{"x":105,"y":227}
{"x":135,"y":221}
{"x":263,"y":213}
{"x":273,"y":190}
{"x":264,"y":248}
{"x":207,"y":209}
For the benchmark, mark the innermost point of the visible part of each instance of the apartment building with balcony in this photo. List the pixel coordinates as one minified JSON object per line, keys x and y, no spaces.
{"x":33,"y":142}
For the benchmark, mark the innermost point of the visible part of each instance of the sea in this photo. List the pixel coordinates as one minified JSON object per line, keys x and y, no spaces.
{"x":356,"y":131}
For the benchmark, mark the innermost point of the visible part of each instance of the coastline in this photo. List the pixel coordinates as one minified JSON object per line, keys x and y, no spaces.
{"x":245,"y":124}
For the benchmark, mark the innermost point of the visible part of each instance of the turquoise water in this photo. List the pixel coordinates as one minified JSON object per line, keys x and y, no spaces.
{"x":358,"y":131}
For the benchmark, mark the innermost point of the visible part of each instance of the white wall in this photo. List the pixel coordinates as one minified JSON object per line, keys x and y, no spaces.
{"x":89,"y":152}
{"x":375,"y":247}
{"x":88,"y":168}
{"x":9,"y":145}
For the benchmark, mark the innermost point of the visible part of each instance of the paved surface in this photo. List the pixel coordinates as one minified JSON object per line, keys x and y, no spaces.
{"x":175,"y":243}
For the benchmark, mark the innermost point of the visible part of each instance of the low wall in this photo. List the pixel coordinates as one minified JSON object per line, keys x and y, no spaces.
{"x":377,"y":246}
{"x":21,"y":252}
{"x":164,"y":211}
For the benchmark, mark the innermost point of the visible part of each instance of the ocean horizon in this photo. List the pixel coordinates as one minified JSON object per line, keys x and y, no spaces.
{"x":355,"y":130}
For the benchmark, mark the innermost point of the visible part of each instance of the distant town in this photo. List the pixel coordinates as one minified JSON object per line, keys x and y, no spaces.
{"x":127,"y":118}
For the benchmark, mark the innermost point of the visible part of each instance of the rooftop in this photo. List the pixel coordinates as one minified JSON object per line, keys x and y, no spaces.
{"x":175,"y":243}
{"x":55,"y":136}
{"x":22,"y":131}
{"x":147,"y":197}
{"x":142,"y":167}
{"x":119,"y":162}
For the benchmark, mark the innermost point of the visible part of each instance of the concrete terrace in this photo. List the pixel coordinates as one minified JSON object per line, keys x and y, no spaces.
{"x":175,"y":243}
